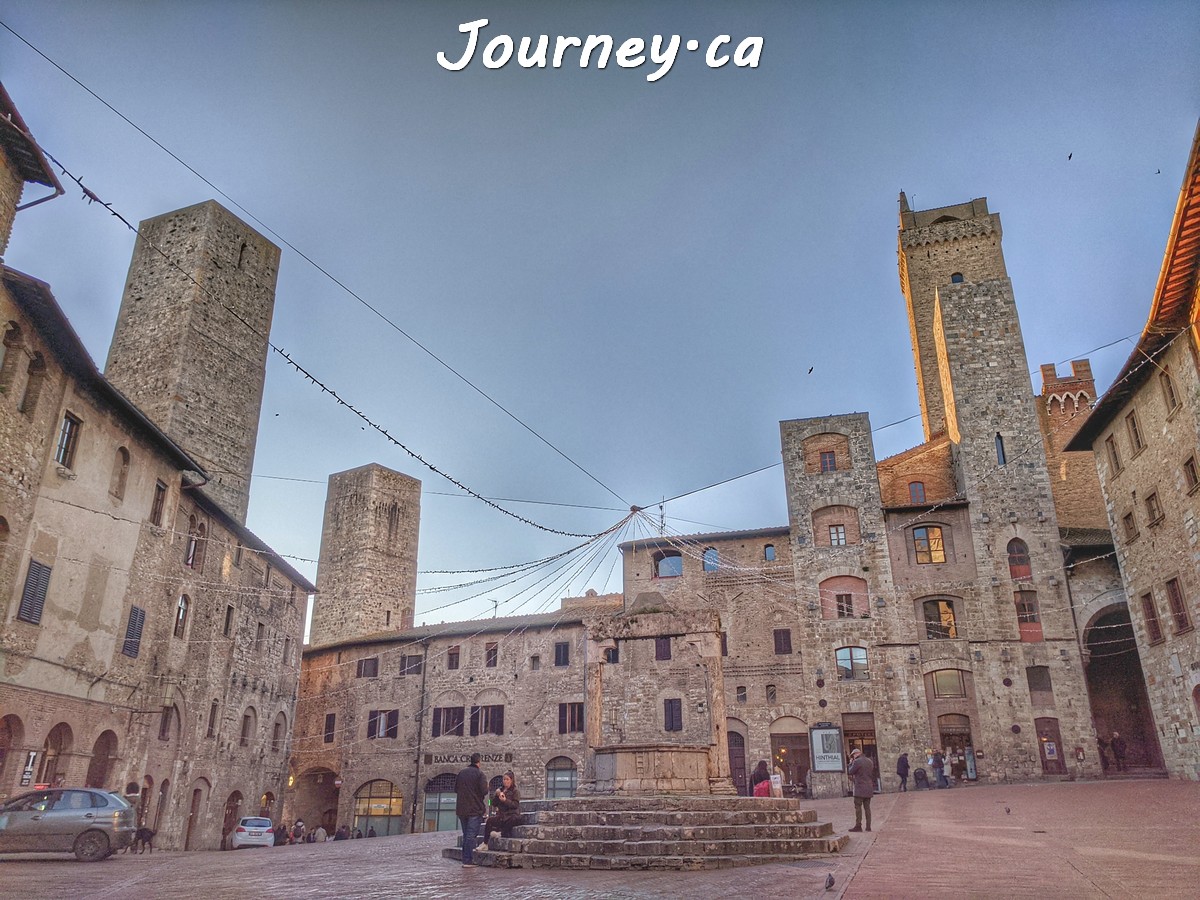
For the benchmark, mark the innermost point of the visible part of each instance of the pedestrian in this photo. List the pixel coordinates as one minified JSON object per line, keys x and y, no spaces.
{"x":370,"y":832}
{"x":504,"y":808}
{"x":320,"y":835}
{"x":902,"y":771}
{"x":760,"y":775}
{"x":298,"y":832}
{"x":939,"y":768}
{"x":471,"y":786}
{"x":1117,"y":744}
{"x":342,"y":833}
{"x":862,"y":781}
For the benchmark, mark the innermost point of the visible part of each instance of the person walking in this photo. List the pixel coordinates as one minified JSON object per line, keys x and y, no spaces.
{"x":902,"y":771}
{"x":939,"y":768}
{"x":1117,"y":745}
{"x":862,"y":781}
{"x":471,"y":786}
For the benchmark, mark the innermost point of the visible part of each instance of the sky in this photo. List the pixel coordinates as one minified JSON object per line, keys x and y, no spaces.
{"x":578,"y":290}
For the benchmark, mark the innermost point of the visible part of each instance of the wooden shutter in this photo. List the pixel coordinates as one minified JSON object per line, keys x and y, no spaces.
{"x":33,"y":598}
{"x":474,"y":721}
{"x":497,"y":720}
{"x":133,"y":631}
{"x":437,"y":722}
{"x":373,"y":723}
{"x":393,"y":723}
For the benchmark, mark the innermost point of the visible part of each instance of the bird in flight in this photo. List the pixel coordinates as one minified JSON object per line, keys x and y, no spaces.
{"x":1069,"y":155}
{"x":810,"y":368}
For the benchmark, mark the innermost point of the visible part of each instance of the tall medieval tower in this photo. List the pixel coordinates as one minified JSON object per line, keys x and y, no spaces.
{"x":367,"y":572}
{"x":190,"y":347}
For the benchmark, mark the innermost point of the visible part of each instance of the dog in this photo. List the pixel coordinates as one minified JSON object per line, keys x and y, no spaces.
{"x":142,"y":841}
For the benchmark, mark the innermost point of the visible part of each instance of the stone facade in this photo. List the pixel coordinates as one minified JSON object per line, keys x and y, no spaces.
{"x":190,"y":347}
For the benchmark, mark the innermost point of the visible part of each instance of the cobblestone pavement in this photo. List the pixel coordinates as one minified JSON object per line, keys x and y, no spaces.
{"x":1101,"y":839}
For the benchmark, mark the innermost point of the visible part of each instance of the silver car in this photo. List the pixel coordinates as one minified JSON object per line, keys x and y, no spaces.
{"x":88,"y":822}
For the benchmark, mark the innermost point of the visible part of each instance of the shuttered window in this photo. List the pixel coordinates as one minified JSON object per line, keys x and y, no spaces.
{"x":133,"y":631}
{"x":33,"y":598}
{"x":487,"y":720}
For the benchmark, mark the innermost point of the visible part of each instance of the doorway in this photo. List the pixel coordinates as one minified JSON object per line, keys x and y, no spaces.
{"x":737,"y":763}
{"x":1050,"y":746}
{"x":858,"y":733}
{"x":1117,"y":689}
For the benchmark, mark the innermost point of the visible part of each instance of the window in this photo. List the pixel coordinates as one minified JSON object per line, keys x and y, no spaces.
{"x":1001,"y":459}
{"x":368,"y":668}
{"x":668,"y":564}
{"x":247,"y":728}
{"x":267,"y":576}
{"x":237,"y":555}
{"x":741,"y":693}
{"x":68,"y":440}
{"x":1029,"y":621}
{"x":956,"y":278}
{"x":1129,"y":523}
{"x":181,"y":613}
{"x":491,"y":654}
{"x":561,"y":777}
{"x":156,"y":506}
{"x":612,"y":654}
{"x":383,"y":723}
{"x":278,"y":733}
{"x":916,"y":492}
{"x":452,"y":657}
{"x":939,"y":620}
{"x":927,"y":543}
{"x":165,"y":723}
{"x":1191,"y":476}
{"x":570,"y":718}
{"x":412,"y":664}
{"x":133,"y":631}
{"x":1154,"y":632}
{"x":330,"y":727}
{"x":852,"y":664}
{"x":772,"y":694}
{"x":712,"y":560}
{"x":949,"y":683}
{"x":562,"y":653}
{"x":287,"y":651}
{"x":35,"y":379}
{"x":783,"y":641}
{"x":662,"y":648}
{"x":120,"y":474}
{"x":1178,"y":605}
{"x":837,"y":535}
{"x":724,"y":643}
{"x":828,"y":461}
{"x":1041,"y":689}
{"x":1168,"y":388}
{"x":535,"y":662}
{"x":259,"y":634}
{"x":487,"y":720}
{"x":1135,"y":432}
{"x":33,"y":597}
{"x":1153,"y":509}
{"x":212,"y":719}
{"x":845,"y":605}
{"x":1114,"y":457}
{"x":673,"y":714}
{"x":193,"y":556}
{"x":769,"y":553}
{"x":448,"y":720}
{"x":1019,"y":567}
{"x":228,"y":629}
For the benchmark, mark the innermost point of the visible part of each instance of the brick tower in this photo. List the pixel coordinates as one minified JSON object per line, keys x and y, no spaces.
{"x":194,"y":358}
{"x":367,"y":572}
{"x":1063,"y":406}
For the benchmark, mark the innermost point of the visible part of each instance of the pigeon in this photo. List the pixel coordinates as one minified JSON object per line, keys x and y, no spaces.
{"x":1069,"y":155}
{"x":1158,"y":171}
{"x":829,"y":882}
{"x":810,"y":368}
{"x":1007,"y":811}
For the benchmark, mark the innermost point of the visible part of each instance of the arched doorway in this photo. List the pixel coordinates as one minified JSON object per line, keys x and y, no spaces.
{"x":103,"y":753}
{"x":789,"y":749}
{"x":233,"y":812}
{"x":737,"y":762}
{"x":1050,"y":746}
{"x":1117,"y":689}
{"x":380,"y":805}
{"x":12,"y":738}
{"x":196,"y":808}
{"x":164,"y":796}
{"x":53,"y":767}
{"x":266,"y":805}
{"x":440,"y":801}
{"x":317,"y":797}
{"x":562,"y":777}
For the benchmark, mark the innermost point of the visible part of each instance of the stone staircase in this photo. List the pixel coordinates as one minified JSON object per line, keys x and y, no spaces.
{"x":658,"y":832}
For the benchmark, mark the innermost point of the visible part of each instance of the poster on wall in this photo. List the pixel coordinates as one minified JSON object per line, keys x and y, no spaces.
{"x":826,"y":742}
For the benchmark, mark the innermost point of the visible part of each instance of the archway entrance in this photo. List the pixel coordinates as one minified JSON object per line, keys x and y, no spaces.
{"x":12,"y":737}
{"x":103,"y":753}
{"x":53,"y":767}
{"x":790,"y":752}
{"x":317,"y":795}
{"x":191,"y":831}
{"x":379,"y":805}
{"x":266,"y":805}
{"x":1117,"y":690}
{"x":737,"y":763}
{"x":233,"y":812}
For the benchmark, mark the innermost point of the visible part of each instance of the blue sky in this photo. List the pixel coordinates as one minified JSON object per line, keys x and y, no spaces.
{"x":642,"y":272}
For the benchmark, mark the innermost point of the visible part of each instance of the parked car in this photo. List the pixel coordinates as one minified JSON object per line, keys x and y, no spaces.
{"x":88,"y":822}
{"x":253,"y":831}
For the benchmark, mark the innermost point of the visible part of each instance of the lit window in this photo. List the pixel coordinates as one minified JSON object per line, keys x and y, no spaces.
{"x":1135,"y":432}
{"x":1179,"y":611}
{"x":712,"y":560}
{"x":852,"y":664}
{"x":927,"y":544}
{"x":837,"y":535}
{"x":828,"y":461}
{"x":68,"y":440}
{"x":916,"y":492}
{"x":939,"y":620}
{"x":668,"y":564}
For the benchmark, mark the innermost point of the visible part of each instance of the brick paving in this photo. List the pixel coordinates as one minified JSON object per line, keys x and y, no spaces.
{"x":1098,"y":839}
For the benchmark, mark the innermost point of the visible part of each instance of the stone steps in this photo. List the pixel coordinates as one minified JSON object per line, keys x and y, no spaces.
{"x":667,"y":832}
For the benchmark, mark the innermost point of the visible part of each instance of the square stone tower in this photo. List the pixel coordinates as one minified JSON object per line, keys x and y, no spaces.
{"x":367,"y":572}
{"x":190,"y":347}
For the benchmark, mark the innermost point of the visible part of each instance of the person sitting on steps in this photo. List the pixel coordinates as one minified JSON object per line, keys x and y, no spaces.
{"x":504,"y":815}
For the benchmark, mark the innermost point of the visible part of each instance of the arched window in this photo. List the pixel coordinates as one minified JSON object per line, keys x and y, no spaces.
{"x":120,"y":474}
{"x":379,"y":805}
{"x":440,"y":801}
{"x":956,"y":278}
{"x":561,"y":776}
{"x":8,"y":360}
{"x":668,"y":564}
{"x":1019,"y":568}
{"x":852,"y":664}
{"x":279,"y":733}
{"x":712,"y":560}
{"x":1000,"y":457}
{"x":33,"y":385}
{"x":249,"y":724}
{"x":769,"y":553}
{"x":916,"y":492}
{"x":181,"y":614}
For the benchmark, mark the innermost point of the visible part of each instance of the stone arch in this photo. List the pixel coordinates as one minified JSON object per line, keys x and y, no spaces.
{"x":449,"y":698}
{"x":12,"y":740}
{"x":379,"y":805}
{"x":193,"y":826}
{"x":836,"y":515}
{"x":104,"y":751}
{"x":279,"y":732}
{"x":316,"y":790}
{"x":826,"y":442}
{"x":231,"y":814}
{"x":833,"y":591}
{"x":52,"y":769}
{"x":490,"y":697}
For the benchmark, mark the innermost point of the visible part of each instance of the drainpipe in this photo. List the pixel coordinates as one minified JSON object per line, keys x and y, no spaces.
{"x":412,"y":816}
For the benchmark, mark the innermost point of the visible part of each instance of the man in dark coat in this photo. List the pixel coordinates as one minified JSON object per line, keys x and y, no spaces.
{"x":1117,"y":745}
{"x":939,"y":769}
{"x":862,"y":780}
{"x":902,"y":771}
{"x":471,"y":786}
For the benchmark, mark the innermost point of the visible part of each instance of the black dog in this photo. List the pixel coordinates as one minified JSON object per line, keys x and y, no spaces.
{"x":142,"y":841}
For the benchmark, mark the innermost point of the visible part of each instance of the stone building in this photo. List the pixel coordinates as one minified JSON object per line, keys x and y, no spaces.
{"x":1144,"y":432}
{"x":149,"y":643}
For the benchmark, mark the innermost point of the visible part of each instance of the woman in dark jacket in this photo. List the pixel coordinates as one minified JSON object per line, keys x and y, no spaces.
{"x":760,"y":773}
{"x":504,"y":808}
{"x":902,"y":771}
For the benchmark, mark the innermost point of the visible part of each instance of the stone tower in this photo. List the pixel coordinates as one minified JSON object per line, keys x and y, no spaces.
{"x":1063,"y":407}
{"x":367,"y":572}
{"x":192,"y":353}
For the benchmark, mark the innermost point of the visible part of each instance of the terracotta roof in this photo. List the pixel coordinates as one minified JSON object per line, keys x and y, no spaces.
{"x":1085,"y":537}
{"x":1170,"y":311}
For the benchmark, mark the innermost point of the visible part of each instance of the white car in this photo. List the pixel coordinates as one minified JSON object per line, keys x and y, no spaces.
{"x":253,"y":831}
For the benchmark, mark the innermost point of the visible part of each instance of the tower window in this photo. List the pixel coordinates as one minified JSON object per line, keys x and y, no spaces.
{"x":1190,"y":475}
{"x":662,"y":648}
{"x":1001,"y":459}
{"x":1019,"y":567}
{"x":712,"y":560}
{"x":1179,"y":610}
{"x":740,"y":693}
{"x":181,"y":614}
{"x":668,"y":564}
{"x":160,"y":500}
{"x":956,"y":278}
{"x":1114,"y":457}
{"x":837,"y":535}
{"x":1153,"y":508}
{"x":1154,"y":632}
{"x":673,"y":715}
{"x":845,"y":606}
{"x":772,"y":694}
{"x":916,"y":492}
{"x":769,"y":553}
{"x":852,"y":664}
{"x":1130,"y":524}
{"x":939,"y":620}
{"x":1168,"y":389}
{"x":828,"y":461}
{"x":783,"y":641}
